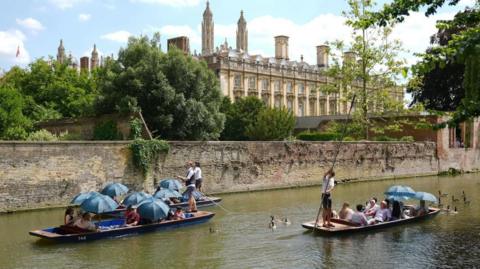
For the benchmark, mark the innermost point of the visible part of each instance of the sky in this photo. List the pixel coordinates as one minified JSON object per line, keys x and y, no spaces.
{"x":36,"y":26}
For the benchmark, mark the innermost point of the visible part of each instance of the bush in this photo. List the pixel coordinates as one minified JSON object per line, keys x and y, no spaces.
{"x":349,"y":139}
{"x":383,"y":138}
{"x":146,"y":152}
{"x":408,"y":138}
{"x":317,"y":136}
{"x":272,"y":124}
{"x":42,"y":135}
{"x":107,"y":131}
{"x":70,"y":136}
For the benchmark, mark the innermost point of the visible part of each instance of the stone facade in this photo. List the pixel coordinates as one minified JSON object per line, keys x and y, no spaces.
{"x":34,"y":175}
{"x":278,"y":81}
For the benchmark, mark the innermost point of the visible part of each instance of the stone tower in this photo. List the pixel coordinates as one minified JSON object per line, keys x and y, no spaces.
{"x":322,"y":55}
{"x":61,"y":53}
{"x":242,"y":34}
{"x":94,"y":60}
{"x":281,"y":47}
{"x":207,"y":31}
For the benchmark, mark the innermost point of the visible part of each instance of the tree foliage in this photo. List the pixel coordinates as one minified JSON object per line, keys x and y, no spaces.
{"x":461,"y":48}
{"x":14,"y":125}
{"x":52,"y":90}
{"x":178,"y":95}
{"x":272,"y":124}
{"x":239,"y":116}
{"x":441,"y":88}
{"x":370,"y":72}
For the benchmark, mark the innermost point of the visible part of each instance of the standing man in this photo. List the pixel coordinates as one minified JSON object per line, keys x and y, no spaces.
{"x":190,"y":183}
{"x":198,"y":176}
{"x":327,"y":187}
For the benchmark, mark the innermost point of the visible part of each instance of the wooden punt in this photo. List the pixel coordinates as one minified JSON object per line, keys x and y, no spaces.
{"x":205,"y":202}
{"x":346,"y":227}
{"x":116,"y":228}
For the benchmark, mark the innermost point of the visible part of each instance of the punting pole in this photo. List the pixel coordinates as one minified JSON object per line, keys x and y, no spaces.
{"x":344,"y":130}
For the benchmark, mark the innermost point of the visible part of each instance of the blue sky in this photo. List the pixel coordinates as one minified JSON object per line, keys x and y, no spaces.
{"x":37,"y":25}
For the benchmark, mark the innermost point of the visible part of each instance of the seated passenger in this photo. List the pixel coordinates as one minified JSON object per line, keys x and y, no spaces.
{"x":68,"y":218}
{"x":178,"y":215}
{"x":358,"y":217}
{"x":132,"y":218}
{"x":85,"y":222}
{"x":396,"y":210}
{"x":372,"y":209}
{"x":422,"y":209}
{"x":346,"y":212}
{"x":383,"y":214}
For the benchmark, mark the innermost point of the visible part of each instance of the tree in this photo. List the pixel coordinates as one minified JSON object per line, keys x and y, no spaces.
{"x":441,"y":88}
{"x":52,"y":90}
{"x":369,"y":71}
{"x":14,"y":125}
{"x":272,"y":124}
{"x":462,"y":48}
{"x":178,"y":95}
{"x":239,"y":116}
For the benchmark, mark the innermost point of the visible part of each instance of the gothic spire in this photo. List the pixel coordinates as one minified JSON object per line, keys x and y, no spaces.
{"x":242,"y":34}
{"x":207,"y":31}
{"x":61,"y":52}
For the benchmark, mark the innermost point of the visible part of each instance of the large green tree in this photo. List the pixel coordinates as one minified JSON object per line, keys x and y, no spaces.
{"x":272,"y":124}
{"x":52,"y":90}
{"x":239,"y":116}
{"x":14,"y":125}
{"x":462,"y":48}
{"x":370,"y":71}
{"x":178,"y":95}
{"x":441,"y":88}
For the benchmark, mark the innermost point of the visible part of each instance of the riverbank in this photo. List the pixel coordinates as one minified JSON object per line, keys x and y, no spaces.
{"x":35,"y":175}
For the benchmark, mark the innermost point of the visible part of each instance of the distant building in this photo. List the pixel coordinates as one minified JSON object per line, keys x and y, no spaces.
{"x":84,"y":64}
{"x":181,"y":43}
{"x":278,"y":81}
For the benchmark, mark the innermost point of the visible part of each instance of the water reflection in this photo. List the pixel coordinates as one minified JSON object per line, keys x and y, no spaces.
{"x":242,"y":239}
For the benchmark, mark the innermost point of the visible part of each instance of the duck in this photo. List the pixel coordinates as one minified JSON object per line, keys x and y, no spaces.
{"x":454,"y":199}
{"x":465,"y":201}
{"x":272,"y":224}
{"x":440,"y":205}
{"x":213,"y":230}
{"x":286,"y":221}
{"x":463,"y":194}
{"x":440,"y":194}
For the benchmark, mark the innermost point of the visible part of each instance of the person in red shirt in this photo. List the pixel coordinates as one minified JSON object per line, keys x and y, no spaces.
{"x":132,"y":218}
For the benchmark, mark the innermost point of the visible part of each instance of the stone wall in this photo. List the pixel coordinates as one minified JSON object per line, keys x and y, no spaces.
{"x":34,"y":175}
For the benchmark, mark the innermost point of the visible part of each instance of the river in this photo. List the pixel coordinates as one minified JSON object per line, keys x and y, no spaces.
{"x":240,"y":238}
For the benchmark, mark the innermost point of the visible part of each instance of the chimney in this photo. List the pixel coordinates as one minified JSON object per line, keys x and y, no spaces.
{"x":322,"y":55}
{"x":349,"y":57}
{"x":281,"y":47}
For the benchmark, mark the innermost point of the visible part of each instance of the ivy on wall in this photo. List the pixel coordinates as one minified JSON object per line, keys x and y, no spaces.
{"x":146,"y":152}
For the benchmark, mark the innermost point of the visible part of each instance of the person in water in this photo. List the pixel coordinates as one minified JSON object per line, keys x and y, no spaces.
{"x":327,"y":187}
{"x":69,"y":219}
{"x":190,"y":183}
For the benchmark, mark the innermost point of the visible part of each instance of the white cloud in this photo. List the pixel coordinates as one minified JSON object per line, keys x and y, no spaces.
{"x":65,"y":4}
{"x":172,"y":3}
{"x":9,"y":42}
{"x":118,"y":36}
{"x":84,"y":17}
{"x":30,"y":24}
{"x":469,"y":3}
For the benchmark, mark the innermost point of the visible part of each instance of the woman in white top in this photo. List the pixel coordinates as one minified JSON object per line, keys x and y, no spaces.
{"x":198,"y":176}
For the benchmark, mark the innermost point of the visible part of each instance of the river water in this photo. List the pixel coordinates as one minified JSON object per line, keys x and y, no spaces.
{"x":240,"y":238}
